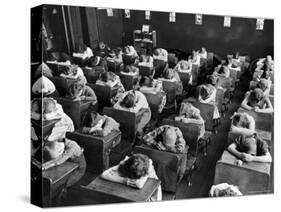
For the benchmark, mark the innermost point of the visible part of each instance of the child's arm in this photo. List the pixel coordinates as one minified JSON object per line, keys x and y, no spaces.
{"x":232,"y":148}
{"x":245,"y":105}
{"x":268,"y":105}
{"x":263,"y":159}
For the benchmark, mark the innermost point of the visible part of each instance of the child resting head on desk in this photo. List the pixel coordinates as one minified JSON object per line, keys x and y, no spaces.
{"x":173,"y":76}
{"x":166,"y":138}
{"x":48,"y":109}
{"x":100,"y":125}
{"x":57,"y":150}
{"x":250,"y":149}
{"x":190,"y":114}
{"x":223,"y":190}
{"x":135,"y":102}
{"x":134,"y":171}
{"x":79,"y":91}
{"x":242,"y":123}
{"x":257,"y":101}
{"x":73,"y":72}
{"x":112,"y":80}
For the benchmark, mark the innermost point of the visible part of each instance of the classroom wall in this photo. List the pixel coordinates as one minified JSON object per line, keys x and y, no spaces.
{"x":242,"y":36}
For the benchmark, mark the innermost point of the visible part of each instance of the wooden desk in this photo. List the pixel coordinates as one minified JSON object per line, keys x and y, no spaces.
{"x":62,"y":84}
{"x":104,"y":94}
{"x":206,"y":111}
{"x":96,"y":148}
{"x":251,"y":177}
{"x":75,"y":109}
{"x":128,"y":81}
{"x":123,"y":193}
{"x":50,"y":182}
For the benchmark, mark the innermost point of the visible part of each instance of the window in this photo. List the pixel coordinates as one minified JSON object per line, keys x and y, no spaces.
{"x":127,"y":14}
{"x":109,"y":12}
{"x":147,"y":15}
{"x":260,"y":23}
{"x":198,"y":19}
{"x":227,"y":21}
{"x":172,"y":17}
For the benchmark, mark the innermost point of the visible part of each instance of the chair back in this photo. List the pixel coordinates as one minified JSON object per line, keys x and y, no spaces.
{"x":159,"y":66}
{"x":185,"y":77}
{"x":170,"y":88}
{"x":127,"y":121}
{"x":93,"y":74}
{"x":195,"y":73}
{"x":190,"y":131}
{"x":206,"y":111}
{"x":62,"y":85}
{"x":145,"y":70}
{"x":128,"y":81}
{"x":128,"y":60}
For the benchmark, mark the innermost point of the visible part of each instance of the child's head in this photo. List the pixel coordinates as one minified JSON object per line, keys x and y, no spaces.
{"x":135,"y":167}
{"x":49,"y":105}
{"x":253,"y":145}
{"x":211,"y":79}
{"x":262,"y":84}
{"x":81,"y":47}
{"x":156,"y":52}
{"x":146,"y":81}
{"x":52,"y":150}
{"x":104,"y":76}
{"x":168,"y":73}
{"x":95,"y":61}
{"x":36,"y":105}
{"x":128,"y":101}
{"x":101,"y":45}
{"x":204,"y":92}
{"x":255,"y":96}
{"x":169,"y":137}
{"x":76,"y":89}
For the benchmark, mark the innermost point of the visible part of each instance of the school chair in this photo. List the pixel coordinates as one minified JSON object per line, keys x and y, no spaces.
{"x":191,"y":133}
{"x":111,"y":192}
{"x":226,"y":83}
{"x":92,"y":74}
{"x":104,"y":94}
{"x":62,"y":84}
{"x":170,"y":88}
{"x":76,"y":109}
{"x":128,"y":126}
{"x":128,"y":81}
{"x":159,"y":66}
{"x":128,"y":60}
{"x":264,"y":121}
{"x":146,"y":71}
{"x":113,"y":66}
{"x":210,"y":60}
{"x":48,"y":184}
{"x":207,"y":113}
{"x":154,"y":100}
{"x":96,"y":148}
{"x":185,"y":78}
{"x":195,"y":74}
{"x":250,"y":177}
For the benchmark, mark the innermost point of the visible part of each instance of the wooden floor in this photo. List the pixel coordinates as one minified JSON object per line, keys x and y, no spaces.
{"x":202,"y":178}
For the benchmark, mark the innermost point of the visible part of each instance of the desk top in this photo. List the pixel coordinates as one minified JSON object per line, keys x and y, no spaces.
{"x":125,"y":192}
{"x":228,"y":158}
{"x":57,"y":173}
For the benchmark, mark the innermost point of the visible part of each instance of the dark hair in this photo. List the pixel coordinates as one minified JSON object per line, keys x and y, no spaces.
{"x":135,"y":167}
{"x":75,"y":88}
{"x":167,"y":73}
{"x":146,"y":81}
{"x":255,"y":96}
{"x":104,"y":76}
{"x":211,"y":79}
{"x":262,"y":146}
{"x":236,"y":119}
{"x":128,"y":101}
{"x":203,"y":92}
